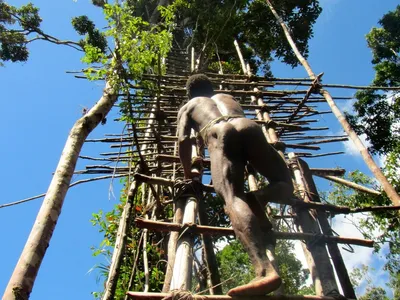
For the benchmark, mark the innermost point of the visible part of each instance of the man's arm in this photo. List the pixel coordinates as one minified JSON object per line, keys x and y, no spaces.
{"x":185,"y":144}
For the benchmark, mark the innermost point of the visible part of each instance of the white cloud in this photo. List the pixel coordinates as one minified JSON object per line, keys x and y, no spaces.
{"x":329,"y":7}
{"x":352,"y":150}
{"x":343,"y":225}
{"x":346,"y":105}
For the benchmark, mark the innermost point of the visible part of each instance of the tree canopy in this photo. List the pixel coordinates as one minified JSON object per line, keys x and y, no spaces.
{"x":236,"y":268}
{"x":377,"y":114}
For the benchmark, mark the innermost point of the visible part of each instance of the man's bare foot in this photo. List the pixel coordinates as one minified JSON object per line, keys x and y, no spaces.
{"x":258,"y":286}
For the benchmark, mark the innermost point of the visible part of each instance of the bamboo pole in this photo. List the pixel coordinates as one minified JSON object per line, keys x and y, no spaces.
{"x":337,"y":259}
{"x":120,"y":243}
{"x":25,"y":272}
{"x":180,"y":295}
{"x":172,"y":242}
{"x":173,"y":239}
{"x":209,"y":255}
{"x":270,"y":137}
{"x":316,"y":255}
{"x":144,"y":246}
{"x":350,"y":184}
{"x":223,"y":231}
{"x":182,"y":271}
{"x":259,"y":194}
{"x":387,"y":187}
{"x":119,"y":248}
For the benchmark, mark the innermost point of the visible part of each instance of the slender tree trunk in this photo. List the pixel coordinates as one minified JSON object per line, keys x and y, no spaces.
{"x":387,"y":187}
{"x":25,"y":272}
{"x":120,"y":243}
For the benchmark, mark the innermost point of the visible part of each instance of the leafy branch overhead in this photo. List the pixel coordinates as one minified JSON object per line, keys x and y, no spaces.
{"x":376,"y":113}
{"x":18,"y":28}
{"x":212,"y":26}
{"x":94,"y":37}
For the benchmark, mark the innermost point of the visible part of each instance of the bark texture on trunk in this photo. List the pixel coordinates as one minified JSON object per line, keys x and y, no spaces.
{"x":25,"y":272}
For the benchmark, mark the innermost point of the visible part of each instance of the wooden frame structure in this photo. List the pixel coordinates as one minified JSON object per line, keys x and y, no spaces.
{"x":288,"y":110}
{"x":288,"y":117}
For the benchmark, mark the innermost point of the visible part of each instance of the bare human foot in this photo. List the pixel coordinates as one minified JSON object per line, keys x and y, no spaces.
{"x":257,"y":287}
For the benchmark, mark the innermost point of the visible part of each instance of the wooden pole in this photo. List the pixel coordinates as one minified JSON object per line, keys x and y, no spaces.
{"x":180,"y":295}
{"x":209,"y":255}
{"x":119,"y":248}
{"x":173,"y":238}
{"x":251,"y":177}
{"x":120,"y":243}
{"x":350,"y":184}
{"x":337,"y":259}
{"x":223,"y":231}
{"x":182,"y":271}
{"x":25,"y":272}
{"x":387,"y":187}
{"x":316,"y":255}
{"x":172,"y":242}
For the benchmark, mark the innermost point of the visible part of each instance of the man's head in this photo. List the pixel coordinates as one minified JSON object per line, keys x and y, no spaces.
{"x":199,"y":85}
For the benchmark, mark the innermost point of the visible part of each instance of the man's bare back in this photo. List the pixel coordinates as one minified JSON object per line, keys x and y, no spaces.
{"x":233,"y":141}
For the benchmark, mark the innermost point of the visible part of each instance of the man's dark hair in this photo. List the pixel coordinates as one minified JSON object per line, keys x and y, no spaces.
{"x":199,"y":85}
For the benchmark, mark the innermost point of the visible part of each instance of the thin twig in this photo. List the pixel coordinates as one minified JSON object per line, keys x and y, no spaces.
{"x":71,"y":185}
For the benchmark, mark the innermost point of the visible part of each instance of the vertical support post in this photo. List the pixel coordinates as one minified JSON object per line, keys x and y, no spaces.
{"x":337,"y":259}
{"x":120,"y":243}
{"x":192,"y":64}
{"x":182,"y":271}
{"x":268,"y":136}
{"x":210,"y":259}
{"x":179,"y":206}
{"x":316,"y":254}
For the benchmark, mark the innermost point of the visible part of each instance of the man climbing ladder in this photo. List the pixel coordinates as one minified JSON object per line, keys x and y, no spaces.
{"x":233,"y":141}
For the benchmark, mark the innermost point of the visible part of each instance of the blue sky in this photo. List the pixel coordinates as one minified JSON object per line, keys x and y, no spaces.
{"x":40,"y":103}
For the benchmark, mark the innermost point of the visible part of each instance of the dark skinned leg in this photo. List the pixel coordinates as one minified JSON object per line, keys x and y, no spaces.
{"x":266,"y":160}
{"x":227,"y":169}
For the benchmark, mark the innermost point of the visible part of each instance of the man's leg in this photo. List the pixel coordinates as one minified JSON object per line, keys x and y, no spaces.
{"x":227,"y":169}
{"x":266,"y":160}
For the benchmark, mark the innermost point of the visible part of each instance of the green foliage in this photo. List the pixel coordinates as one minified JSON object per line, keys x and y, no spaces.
{"x":99,"y":3}
{"x":16,"y":24}
{"x":94,"y":38}
{"x":107,"y":224}
{"x":376,"y":113}
{"x":361,"y":275}
{"x":236,"y":268}
{"x":139,"y":45}
{"x":211,"y":26}
{"x":387,"y":222}
{"x":291,"y":269}
{"x":374,"y":293}
{"x":394,"y":284}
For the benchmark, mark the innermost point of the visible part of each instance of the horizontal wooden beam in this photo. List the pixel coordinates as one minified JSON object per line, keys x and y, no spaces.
{"x":350,"y":184}
{"x":188,"y":295}
{"x":260,"y":194}
{"x":200,"y":229}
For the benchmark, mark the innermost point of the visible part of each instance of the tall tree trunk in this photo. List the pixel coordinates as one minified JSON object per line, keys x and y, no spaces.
{"x":25,"y":272}
{"x":387,"y":187}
